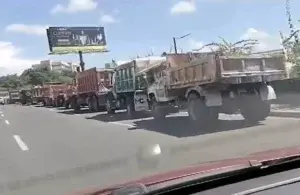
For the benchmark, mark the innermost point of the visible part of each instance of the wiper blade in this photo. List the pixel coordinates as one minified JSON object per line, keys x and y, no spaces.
{"x":254,"y":166}
{"x":280,"y":161}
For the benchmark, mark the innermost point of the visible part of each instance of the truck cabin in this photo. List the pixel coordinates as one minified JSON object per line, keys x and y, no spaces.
{"x":130,"y":76}
{"x":15,"y":94}
{"x":155,"y":72}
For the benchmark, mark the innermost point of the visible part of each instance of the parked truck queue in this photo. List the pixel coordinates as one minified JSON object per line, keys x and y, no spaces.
{"x":203,"y":84}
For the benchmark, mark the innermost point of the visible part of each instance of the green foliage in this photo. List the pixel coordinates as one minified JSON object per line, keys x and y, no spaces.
{"x":293,"y":53}
{"x":227,"y":48}
{"x":32,"y":77}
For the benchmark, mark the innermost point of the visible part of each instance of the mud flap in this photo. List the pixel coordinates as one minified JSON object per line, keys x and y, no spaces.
{"x":267,"y":92}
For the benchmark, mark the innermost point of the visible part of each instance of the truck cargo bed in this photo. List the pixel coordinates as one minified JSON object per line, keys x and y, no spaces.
{"x":94,"y":80}
{"x":204,"y":68}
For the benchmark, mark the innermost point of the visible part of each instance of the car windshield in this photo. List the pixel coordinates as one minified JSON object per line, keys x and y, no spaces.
{"x":114,"y":91}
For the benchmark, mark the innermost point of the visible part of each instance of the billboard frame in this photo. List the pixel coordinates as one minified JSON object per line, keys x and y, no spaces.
{"x":75,"y":49}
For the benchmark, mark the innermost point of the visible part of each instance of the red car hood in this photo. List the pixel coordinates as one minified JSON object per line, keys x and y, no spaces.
{"x":214,"y":167}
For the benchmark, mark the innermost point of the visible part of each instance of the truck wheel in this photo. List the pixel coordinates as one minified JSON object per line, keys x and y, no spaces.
{"x":130,"y":106}
{"x":94,"y":104}
{"x":108,"y":107}
{"x":157,"y":112}
{"x":67,"y":105}
{"x":75,"y":105}
{"x":90,"y":104}
{"x":255,"y":109}
{"x":197,"y":110}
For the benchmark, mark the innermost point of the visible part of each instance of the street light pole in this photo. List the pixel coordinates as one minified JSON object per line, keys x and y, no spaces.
{"x":174,"y":41}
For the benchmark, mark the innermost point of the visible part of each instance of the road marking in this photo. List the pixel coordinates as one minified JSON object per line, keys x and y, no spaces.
{"x":7,"y":122}
{"x":21,"y":144}
{"x":2,"y":115}
{"x":123,"y":124}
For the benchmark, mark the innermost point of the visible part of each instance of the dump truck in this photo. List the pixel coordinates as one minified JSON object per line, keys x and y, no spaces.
{"x":14,"y":96}
{"x":37,"y":94}
{"x":92,"y":87}
{"x":4,"y":96}
{"x":25,"y":96}
{"x":70,"y":96}
{"x":129,"y":85}
{"x":53,"y":94}
{"x":207,"y":84}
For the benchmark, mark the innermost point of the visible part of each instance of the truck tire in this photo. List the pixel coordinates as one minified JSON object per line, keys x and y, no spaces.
{"x":255,"y":109}
{"x":157,"y":112}
{"x":67,"y":105}
{"x":108,"y":107}
{"x":90,"y":104}
{"x":199,"y":113}
{"x":75,"y":105}
{"x":130,"y":107}
{"x":95,"y":106}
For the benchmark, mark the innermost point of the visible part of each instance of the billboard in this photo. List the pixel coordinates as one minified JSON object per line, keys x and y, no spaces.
{"x":65,"y":40}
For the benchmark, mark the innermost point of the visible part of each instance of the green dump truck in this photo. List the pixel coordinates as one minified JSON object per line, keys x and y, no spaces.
{"x":130,"y":86}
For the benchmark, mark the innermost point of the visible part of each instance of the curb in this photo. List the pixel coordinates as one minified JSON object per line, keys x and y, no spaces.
{"x":291,"y":114}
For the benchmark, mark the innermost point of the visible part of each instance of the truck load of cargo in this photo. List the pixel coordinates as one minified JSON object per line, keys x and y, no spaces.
{"x":208,"y":84}
{"x":92,"y":87}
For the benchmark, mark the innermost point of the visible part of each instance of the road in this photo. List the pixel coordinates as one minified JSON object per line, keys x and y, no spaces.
{"x":55,"y":151}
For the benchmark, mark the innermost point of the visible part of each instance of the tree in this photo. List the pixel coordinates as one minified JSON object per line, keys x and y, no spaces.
{"x":224,"y":47}
{"x":292,"y":48}
{"x":31,"y":77}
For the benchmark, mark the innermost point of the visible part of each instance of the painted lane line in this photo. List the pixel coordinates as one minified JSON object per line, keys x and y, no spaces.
{"x":21,"y":144}
{"x":2,"y":115}
{"x":123,"y":124}
{"x":7,"y":122}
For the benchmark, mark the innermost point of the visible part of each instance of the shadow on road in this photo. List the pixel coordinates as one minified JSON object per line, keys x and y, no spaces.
{"x":119,"y":116}
{"x":70,"y":112}
{"x":177,"y":126}
{"x":181,"y":126}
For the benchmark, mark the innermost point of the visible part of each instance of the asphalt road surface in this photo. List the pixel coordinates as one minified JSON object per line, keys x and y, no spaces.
{"x":55,"y":151}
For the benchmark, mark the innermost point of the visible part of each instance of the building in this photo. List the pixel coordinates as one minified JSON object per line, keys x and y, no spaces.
{"x":56,"y":65}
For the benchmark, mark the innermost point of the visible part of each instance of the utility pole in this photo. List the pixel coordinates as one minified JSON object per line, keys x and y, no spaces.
{"x":81,"y":62}
{"x":289,"y":15}
{"x":174,"y":41}
{"x":175,"y":45}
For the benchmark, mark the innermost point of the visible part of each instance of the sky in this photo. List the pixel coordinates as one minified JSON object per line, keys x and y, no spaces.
{"x":137,"y":27}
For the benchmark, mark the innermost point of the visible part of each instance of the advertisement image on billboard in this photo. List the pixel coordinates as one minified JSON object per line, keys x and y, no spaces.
{"x":64,"y":40}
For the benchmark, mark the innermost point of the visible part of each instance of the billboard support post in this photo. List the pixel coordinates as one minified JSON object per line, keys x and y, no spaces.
{"x":81,"y":62}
